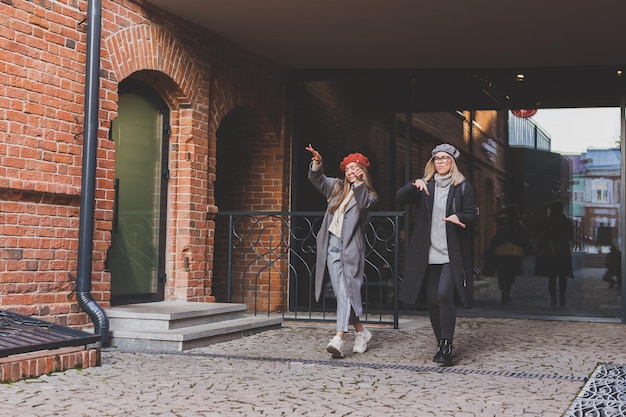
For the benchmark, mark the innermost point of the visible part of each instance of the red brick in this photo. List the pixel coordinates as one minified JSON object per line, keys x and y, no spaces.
{"x":42,"y":111}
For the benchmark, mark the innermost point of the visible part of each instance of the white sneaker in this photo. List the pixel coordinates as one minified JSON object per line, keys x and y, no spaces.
{"x":360,"y":341}
{"x":335,"y":347}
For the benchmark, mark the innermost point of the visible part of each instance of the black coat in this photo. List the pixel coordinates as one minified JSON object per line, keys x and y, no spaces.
{"x":461,"y":201}
{"x":553,"y":255}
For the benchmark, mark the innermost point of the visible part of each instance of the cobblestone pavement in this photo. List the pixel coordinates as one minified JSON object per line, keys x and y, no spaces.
{"x":503,"y":367}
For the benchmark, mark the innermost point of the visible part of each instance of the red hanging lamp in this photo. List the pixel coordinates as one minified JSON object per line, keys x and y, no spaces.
{"x":524,"y":113}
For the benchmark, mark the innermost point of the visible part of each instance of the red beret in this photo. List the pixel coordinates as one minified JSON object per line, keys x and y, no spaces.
{"x":355,"y":157}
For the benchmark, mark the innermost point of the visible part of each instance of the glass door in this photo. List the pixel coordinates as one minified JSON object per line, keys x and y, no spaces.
{"x":136,"y":256}
{"x":561,"y":210}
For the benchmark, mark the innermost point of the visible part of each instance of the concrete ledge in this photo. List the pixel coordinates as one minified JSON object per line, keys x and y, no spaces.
{"x":169,"y":315}
{"x":172,"y":310}
{"x":191,"y":337}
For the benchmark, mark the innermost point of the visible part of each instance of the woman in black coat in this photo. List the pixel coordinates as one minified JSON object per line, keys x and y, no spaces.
{"x":439,"y":259}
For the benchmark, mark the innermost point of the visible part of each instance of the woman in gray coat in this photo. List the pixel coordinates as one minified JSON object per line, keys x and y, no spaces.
{"x":438,"y":260}
{"x":341,"y":242}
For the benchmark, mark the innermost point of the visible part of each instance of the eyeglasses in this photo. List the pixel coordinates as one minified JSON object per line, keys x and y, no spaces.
{"x":441,"y":159}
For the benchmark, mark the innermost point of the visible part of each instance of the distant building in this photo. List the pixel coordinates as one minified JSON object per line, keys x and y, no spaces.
{"x":596,"y":198}
{"x":587,"y":183}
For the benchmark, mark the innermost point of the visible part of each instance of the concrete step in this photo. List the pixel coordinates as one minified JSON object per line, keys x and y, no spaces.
{"x":178,"y":326}
{"x":168,"y":315}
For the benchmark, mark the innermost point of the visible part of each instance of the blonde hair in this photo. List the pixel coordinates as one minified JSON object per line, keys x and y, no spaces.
{"x":343,"y":191}
{"x":429,"y":171}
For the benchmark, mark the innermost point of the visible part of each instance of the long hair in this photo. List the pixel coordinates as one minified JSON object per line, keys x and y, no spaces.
{"x":344,"y":189}
{"x":429,"y":171}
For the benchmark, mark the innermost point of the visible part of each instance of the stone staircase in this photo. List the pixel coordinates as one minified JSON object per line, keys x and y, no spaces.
{"x":175,"y":326}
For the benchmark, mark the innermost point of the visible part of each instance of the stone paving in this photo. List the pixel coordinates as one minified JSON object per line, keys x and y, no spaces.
{"x":503,"y":367}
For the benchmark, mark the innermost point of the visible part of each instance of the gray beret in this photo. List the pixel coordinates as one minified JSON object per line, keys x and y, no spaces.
{"x":447,"y":148}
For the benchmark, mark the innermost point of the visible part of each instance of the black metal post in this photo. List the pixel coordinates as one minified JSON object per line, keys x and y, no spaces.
{"x":622,"y":189}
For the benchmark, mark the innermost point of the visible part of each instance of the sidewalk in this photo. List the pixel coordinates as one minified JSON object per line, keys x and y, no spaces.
{"x":503,"y":367}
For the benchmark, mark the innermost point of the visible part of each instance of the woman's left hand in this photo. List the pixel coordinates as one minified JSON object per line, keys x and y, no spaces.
{"x":453,"y":218}
{"x":358,"y":175}
{"x":354,"y":174}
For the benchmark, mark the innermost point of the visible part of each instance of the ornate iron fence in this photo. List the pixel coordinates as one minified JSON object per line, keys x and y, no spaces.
{"x":270,"y":264}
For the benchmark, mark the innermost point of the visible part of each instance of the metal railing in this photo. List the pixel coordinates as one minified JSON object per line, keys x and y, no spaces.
{"x":270,"y":264}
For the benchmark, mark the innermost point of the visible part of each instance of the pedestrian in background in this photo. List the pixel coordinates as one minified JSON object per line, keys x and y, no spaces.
{"x":341,"y":242}
{"x":439,"y":259}
{"x":553,"y":255}
{"x":613,"y":263}
{"x":508,"y":246}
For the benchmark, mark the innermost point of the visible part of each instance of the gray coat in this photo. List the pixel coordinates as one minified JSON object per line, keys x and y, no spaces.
{"x":461,"y":201}
{"x":355,"y":219}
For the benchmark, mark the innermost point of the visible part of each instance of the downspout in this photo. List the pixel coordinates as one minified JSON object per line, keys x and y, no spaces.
{"x":88,"y":180}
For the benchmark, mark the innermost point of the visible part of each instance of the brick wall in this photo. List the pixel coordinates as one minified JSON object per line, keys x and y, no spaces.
{"x":41,"y":91}
{"x":42,"y":65}
{"x":39,"y":249}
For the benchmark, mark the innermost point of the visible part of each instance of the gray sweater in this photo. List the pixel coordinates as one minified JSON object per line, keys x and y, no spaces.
{"x":438,"y":252}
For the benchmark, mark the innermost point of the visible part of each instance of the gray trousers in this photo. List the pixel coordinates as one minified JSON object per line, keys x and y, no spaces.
{"x":345,"y":313}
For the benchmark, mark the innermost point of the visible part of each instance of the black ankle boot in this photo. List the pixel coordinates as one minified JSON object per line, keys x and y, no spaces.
{"x":438,"y":356}
{"x":444,"y":355}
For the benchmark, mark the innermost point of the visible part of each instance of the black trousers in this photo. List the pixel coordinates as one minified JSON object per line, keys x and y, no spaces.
{"x":506,"y":268}
{"x":440,"y":299}
{"x":562,"y":281}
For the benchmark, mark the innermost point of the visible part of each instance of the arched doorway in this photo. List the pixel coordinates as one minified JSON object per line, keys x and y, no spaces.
{"x":249,"y":181}
{"x":237,"y":138}
{"x":136,"y":258}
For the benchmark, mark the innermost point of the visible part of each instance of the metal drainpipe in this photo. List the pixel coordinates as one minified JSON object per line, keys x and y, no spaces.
{"x":88,"y":181}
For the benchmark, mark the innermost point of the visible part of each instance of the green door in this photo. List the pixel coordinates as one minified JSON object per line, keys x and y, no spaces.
{"x":136,"y":256}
